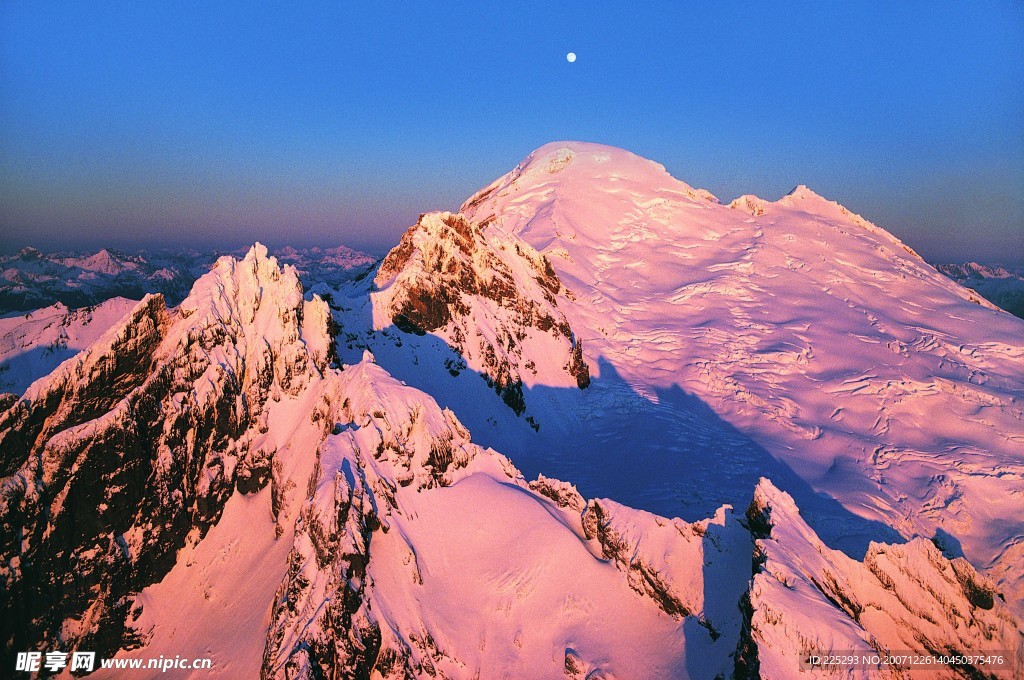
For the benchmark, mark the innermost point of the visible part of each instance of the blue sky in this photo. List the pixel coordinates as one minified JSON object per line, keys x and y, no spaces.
{"x":149,"y":123}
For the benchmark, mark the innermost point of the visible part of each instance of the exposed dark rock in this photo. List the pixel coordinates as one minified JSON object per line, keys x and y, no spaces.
{"x":644,"y":578}
{"x":577,"y":367}
{"x":746,"y":665}
{"x":117,"y":460}
{"x":446,"y":261}
{"x":343,"y":642}
{"x":563,"y":494}
{"x":978,"y":592}
{"x":7,"y":400}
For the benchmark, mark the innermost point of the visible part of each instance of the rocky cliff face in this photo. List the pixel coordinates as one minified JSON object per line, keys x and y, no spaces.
{"x":324,"y":621}
{"x":129,"y":450}
{"x":905,"y":599}
{"x":490,"y":296}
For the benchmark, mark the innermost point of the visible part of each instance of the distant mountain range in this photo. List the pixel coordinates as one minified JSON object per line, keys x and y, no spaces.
{"x":998,"y":285}
{"x":32,"y":279}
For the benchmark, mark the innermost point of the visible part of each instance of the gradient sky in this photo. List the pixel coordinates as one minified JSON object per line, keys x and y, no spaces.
{"x":154,"y":123}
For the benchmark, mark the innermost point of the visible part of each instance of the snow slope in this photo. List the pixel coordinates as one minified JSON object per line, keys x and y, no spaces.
{"x":33,"y":344}
{"x":819,"y":335}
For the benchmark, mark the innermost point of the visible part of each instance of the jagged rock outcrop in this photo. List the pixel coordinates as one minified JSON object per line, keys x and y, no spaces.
{"x":392,"y":437}
{"x":399,"y":491}
{"x":489,"y":295}
{"x":129,"y":450}
{"x":901,"y":599}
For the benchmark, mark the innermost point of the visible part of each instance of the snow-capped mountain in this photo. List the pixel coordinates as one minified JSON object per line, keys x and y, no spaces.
{"x":793,"y":338}
{"x":129,"y":450}
{"x":325,"y":482}
{"x":818,"y":334}
{"x":998,"y":285}
{"x":338,"y":522}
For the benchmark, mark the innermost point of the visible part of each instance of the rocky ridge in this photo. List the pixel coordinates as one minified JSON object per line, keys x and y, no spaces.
{"x":905,"y":599}
{"x":129,"y":450}
{"x":490,"y":296}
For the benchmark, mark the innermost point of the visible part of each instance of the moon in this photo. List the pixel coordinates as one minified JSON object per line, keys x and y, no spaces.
{"x":571,"y":57}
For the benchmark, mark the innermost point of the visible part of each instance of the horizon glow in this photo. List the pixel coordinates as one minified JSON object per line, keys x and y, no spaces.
{"x":218,"y":125}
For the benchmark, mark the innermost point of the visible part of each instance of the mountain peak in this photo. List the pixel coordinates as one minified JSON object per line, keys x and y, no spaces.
{"x":255,"y":293}
{"x":802,"y":192}
{"x":555,"y":156}
{"x":801,"y":196}
{"x":103,"y":262}
{"x":257,"y":251}
{"x":568,"y":162}
{"x":580,"y":168}
{"x":261,"y":259}
{"x":255,"y":270}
